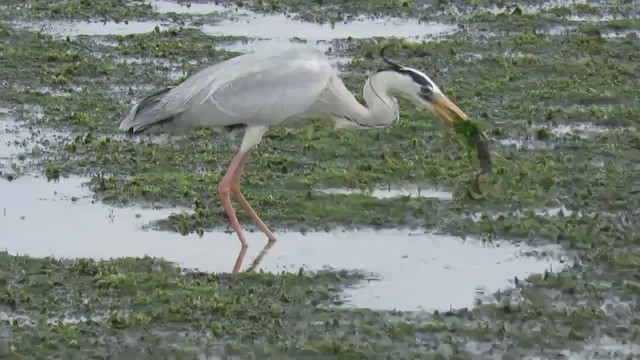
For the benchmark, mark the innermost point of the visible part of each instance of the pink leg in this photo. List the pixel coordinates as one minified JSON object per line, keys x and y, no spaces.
{"x":235,"y":190}
{"x":224,"y":190}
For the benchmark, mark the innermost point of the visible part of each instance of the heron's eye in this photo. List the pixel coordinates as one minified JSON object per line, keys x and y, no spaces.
{"x":426,"y":89}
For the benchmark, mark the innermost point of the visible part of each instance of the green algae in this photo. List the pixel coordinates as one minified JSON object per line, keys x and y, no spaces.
{"x":132,"y":307}
{"x":119,"y":10}
{"x":520,"y":81}
{"x":187,"y":170}
{"x":176,"y":44}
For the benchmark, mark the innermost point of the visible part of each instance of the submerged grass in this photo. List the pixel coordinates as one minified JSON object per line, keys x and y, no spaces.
{"x":521,"y":78}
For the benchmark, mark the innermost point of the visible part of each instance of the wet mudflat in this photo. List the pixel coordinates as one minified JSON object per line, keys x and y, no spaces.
{"x":544,"y":265}
{"x":65,"y":213}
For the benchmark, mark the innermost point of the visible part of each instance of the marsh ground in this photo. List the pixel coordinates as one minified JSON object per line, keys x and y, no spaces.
{"x":544,"y":265}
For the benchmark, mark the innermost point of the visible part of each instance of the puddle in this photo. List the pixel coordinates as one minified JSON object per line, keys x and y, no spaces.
{"x":240,"y":22}
{"x":581,"y":130}
{"x":391,"y":192}
{"x":280,"y":27}
{"x":584,"y":130}
{"x":549,"y":212}
{"x":525,"y":143}
{"x":590,"y":18}
{"x":13,"y":144}
{"x":25,"y":320}
{"x":620,"y":33}
{"x":165,"y":7}
{"x":6,"y":134}
{"x":20,"y":143}
{"x":531,"y":9}
{"x":416,"y":269}
{"x":77,"y":28}
{"x":603,"y":348}
{"x":558,"y":30}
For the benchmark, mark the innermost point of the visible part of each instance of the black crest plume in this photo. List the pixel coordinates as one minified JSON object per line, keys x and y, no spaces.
{"x":392,"y":64}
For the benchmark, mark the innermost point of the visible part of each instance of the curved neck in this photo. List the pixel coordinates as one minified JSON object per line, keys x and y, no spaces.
{"x":376,"y":90}
{"x":382,"y":108}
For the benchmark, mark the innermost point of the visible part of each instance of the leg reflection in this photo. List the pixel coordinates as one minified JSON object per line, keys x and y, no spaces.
{"x":240,"y":259}
{"x":263,"y":252}
{"x":256,"y":262}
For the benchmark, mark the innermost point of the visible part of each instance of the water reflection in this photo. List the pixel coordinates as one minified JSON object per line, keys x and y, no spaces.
{"x":61,"y":219}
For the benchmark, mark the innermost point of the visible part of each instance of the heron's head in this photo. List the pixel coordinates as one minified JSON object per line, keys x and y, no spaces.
{"x":422,"y":91}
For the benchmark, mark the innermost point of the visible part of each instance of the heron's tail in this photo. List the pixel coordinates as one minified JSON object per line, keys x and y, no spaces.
{"x":136,"y":121}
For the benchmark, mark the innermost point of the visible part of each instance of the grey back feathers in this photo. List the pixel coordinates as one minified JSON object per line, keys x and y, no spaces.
{"x":260,"y":88}
{"x":263,"y":88}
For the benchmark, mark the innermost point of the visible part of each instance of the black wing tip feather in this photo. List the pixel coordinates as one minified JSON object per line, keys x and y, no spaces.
{"x":135,"y":129}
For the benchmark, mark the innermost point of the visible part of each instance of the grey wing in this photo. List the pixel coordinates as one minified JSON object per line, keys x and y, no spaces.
{"x":272,"y":94}
{"x":252,"y":88}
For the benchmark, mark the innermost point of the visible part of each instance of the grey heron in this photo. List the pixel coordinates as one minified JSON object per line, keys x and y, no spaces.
{"x":262,"y":89}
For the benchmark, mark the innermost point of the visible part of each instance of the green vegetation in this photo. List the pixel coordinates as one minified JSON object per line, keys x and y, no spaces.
{"x":523,"y":75}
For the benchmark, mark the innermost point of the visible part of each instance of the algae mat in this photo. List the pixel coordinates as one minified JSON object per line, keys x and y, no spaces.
{"x":544,"y":265}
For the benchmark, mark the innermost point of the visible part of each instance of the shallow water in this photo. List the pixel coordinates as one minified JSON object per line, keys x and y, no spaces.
{"x":280,"y":27}
{"x":525,"y":143}
{"x":395,"y":191}
{"x":620,"y":33}
{"x":584,"y":129}
{"x":275,"y":27}
{"x":5,"y":134}
{"x":561,"y":211}
{"x":604,"y":348}
{"x":416,"y":269}
{"x":164,"y":7}
{"x":100,"y":28}
{"x":13,"y":143}
{"x":581,"y":130}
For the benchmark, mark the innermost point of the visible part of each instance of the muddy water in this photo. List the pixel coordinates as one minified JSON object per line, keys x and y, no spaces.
{"x":264,"y":27}
{"x":264,"y":30}
{"x":164,"y":7}
{"x":581,"y":130}
{"x":76,"y":28}
{"x":395,"y":191}
{"x":415,"y":269}
{"x":13,"y":142}
{"x":281,"y":27}
{"x":277,"y":26}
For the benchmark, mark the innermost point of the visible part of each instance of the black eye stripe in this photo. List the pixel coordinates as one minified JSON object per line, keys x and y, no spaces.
{"x":425,"y":84}
{"x":415,"y":77}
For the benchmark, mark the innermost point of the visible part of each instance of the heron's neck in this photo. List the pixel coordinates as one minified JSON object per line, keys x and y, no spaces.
{"x":382,"y":108}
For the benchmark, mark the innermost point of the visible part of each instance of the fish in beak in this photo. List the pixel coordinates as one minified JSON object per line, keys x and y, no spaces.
{"x":451,"y":114}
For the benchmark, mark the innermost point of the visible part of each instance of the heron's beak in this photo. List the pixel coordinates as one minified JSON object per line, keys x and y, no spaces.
{"x":448,"y":111}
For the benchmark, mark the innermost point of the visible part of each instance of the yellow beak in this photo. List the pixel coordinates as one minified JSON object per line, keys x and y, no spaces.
{"x":448,"y":111}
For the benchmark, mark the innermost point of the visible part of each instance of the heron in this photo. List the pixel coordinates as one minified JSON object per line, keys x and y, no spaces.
{"x":262,"y":89}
